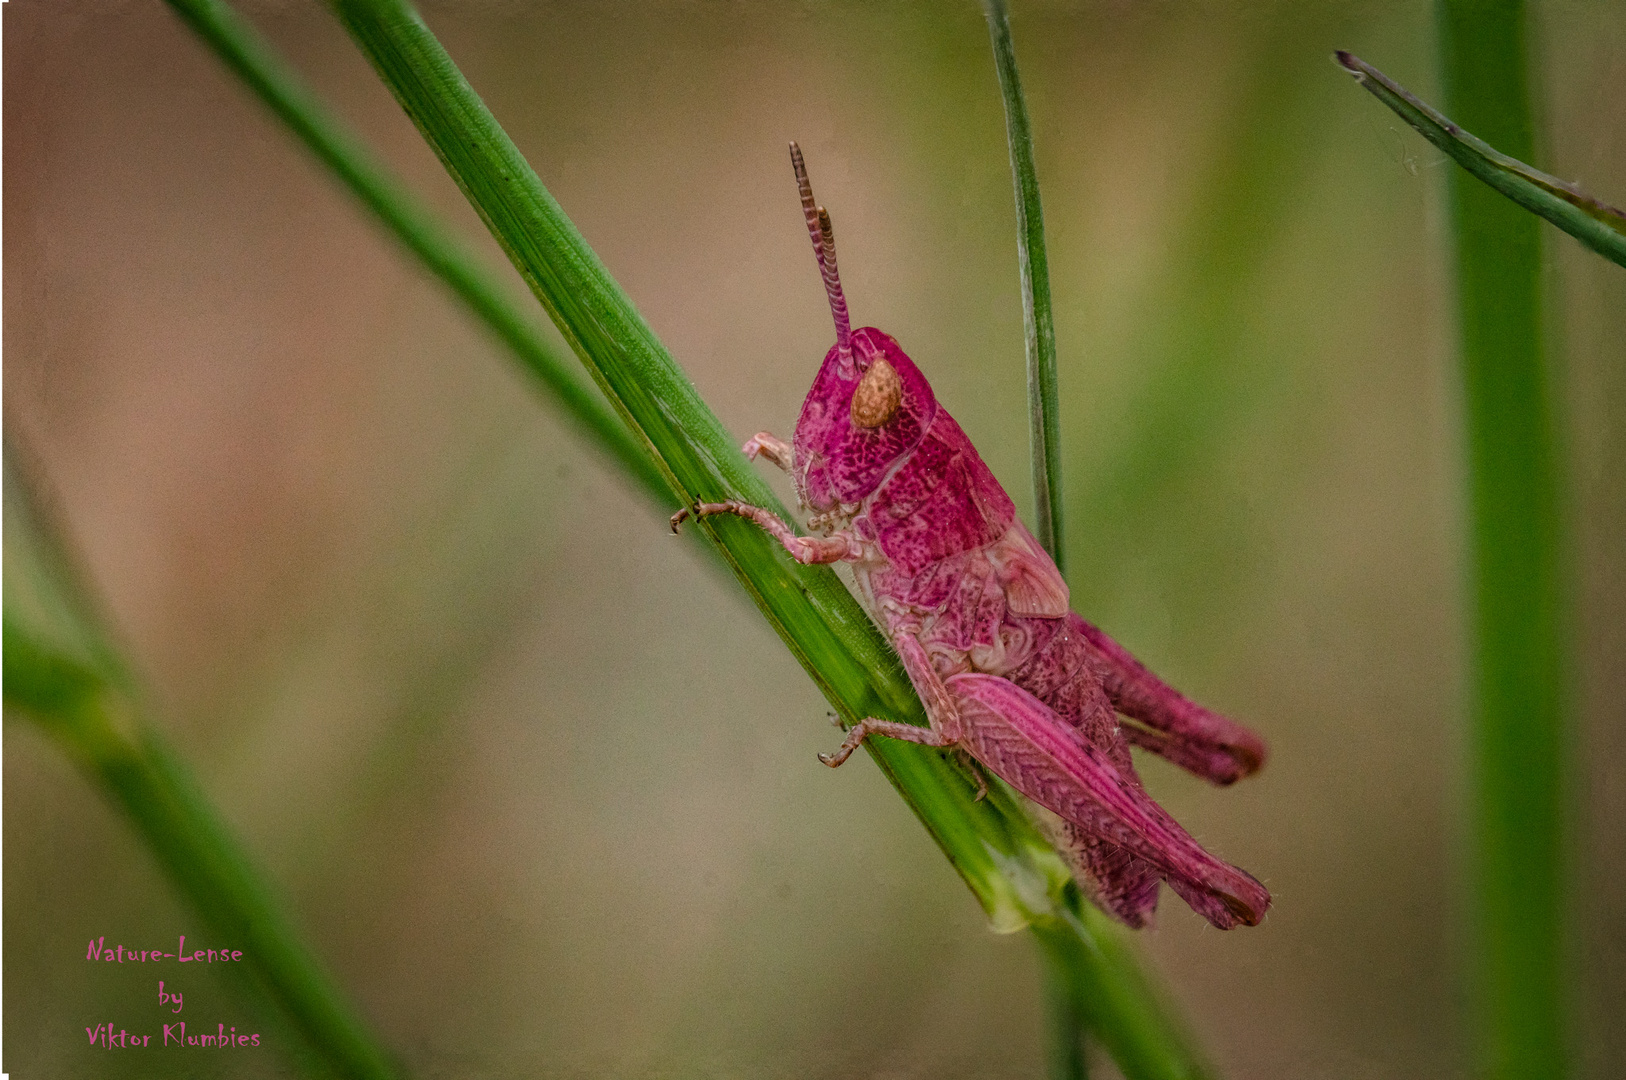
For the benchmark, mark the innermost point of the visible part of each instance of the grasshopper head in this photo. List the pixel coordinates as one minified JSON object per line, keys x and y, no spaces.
{"x":859,"y":420}
{"x":869,"y":406}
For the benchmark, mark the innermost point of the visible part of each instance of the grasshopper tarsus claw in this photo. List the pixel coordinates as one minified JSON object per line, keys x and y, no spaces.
{"x":677,"y":519}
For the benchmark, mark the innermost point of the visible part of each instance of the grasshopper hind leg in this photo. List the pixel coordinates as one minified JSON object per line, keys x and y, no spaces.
{"x":1022,"y":740}
{"x":1177,"y":728}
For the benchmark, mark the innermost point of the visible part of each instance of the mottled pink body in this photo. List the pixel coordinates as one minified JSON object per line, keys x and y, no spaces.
{"x":980,"y":617}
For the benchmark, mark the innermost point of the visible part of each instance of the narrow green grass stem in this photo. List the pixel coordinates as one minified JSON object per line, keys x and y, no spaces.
{"x":1516,"y":572}
{"x":1065,"y":1014}
{"x":63,"y":671}
{"x":236,"y":43}
{"x":1595,"y":223}
{"x":1015,"y":875}
{"x":1038,"y":323}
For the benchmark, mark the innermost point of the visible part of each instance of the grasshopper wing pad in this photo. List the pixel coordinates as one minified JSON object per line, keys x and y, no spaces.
{"x":1033,"y":585}
{"x":1022,"y":740}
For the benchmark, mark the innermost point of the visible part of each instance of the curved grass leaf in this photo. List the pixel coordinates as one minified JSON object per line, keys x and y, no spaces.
{"x":1595,"y":223}
{"x":61,"y":669}
{"x":1015,"y":875}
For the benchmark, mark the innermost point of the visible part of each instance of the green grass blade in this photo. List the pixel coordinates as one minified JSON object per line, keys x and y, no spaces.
{"x":1113,"y":993}
{"x":62,"y":670}
{"x":1044,"y":417}
{"x":1066,"y":1014}
{"x":1596,"y":224}
{"x":1516,"y":572}
{"x":235,"y":42}
{"x":1014,"y":874}
{"x":1065,"y":1057}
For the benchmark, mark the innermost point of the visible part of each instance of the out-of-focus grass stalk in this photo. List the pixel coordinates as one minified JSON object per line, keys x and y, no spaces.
{"x":1065,"y":1055}
{"x":242,"y":49}
{"x":1044,"y":416}
{"x":1015,"y":875}
{"x":1065,"y":1013}
{"x":1207,"y":380}
{"x":1516,"y":568}
{"x":62,"y":670}
{"x":1595,"y":223}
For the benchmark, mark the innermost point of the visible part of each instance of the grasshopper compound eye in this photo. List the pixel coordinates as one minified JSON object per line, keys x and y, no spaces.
{"x":877,"y":395}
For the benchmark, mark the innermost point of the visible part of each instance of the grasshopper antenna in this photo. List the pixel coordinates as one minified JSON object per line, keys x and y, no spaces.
{"x":824,"y":248}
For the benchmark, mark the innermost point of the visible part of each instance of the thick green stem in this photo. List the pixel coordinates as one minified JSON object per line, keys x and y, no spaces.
{"x":1516,"y":577}
{"x":61,"y":669}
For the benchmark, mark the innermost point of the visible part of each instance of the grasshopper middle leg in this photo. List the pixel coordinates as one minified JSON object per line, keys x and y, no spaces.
{"x":940,"y":708}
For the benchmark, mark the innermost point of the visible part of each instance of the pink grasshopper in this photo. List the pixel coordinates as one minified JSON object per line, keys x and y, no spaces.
{"x":980,"y":617}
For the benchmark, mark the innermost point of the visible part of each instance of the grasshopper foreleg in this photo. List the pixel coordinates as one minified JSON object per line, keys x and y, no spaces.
{"x":768,"y":445}
{"x":804,"y":549}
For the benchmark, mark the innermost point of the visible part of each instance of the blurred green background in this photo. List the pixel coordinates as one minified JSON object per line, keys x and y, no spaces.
{"x":538,"y":783}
